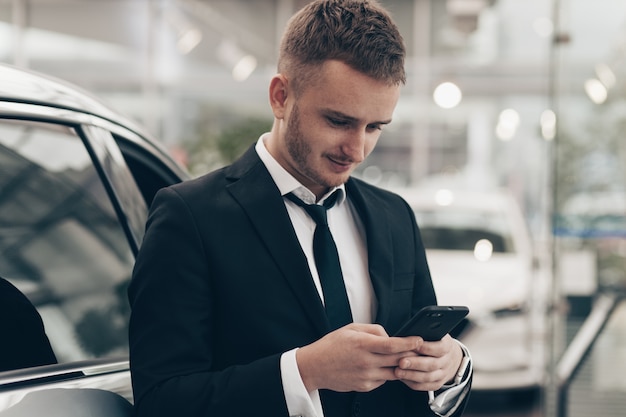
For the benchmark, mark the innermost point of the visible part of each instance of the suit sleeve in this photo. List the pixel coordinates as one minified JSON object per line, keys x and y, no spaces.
{"x":171,"y":329}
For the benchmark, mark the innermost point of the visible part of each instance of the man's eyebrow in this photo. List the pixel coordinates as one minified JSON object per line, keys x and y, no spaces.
{"x":343,"y":116}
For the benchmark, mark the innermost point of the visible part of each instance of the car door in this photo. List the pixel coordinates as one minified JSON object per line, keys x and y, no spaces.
{"x":74,"y":194}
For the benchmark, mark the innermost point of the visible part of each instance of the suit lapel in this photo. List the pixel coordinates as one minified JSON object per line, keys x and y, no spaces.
{"x":379,"y":243}
{"x":253,"y":187}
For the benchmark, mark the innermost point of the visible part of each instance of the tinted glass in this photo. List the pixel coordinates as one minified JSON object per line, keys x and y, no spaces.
{"x":60,"y":240}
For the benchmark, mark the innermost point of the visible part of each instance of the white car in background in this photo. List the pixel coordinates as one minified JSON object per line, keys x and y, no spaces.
{"x":480,"y":255}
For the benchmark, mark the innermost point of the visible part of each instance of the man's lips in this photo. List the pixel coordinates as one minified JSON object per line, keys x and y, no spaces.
{"x":339,"y":164}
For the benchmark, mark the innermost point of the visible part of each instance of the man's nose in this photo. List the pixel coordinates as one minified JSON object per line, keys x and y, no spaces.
{"x":354,"y":144}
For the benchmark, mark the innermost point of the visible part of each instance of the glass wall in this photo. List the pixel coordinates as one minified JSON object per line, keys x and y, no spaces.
{"x":588,"y":187}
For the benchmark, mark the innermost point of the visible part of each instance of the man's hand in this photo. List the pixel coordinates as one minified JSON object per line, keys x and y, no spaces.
{"x":361,"y":357}
{"x":434,"y":365}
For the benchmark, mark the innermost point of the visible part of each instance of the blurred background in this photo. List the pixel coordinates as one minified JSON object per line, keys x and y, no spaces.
{"x":519,"y":97}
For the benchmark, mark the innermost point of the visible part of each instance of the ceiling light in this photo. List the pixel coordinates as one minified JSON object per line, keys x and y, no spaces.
{"x":447,"y":95}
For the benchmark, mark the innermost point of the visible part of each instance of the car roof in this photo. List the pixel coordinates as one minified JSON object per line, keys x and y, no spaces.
{"x":25,"y":86}
{"x":22,"y":85}
{"x":492,"y":201}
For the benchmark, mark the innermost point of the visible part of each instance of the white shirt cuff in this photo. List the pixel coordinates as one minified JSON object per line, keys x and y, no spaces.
{"x":451,"y":396}
{"x":300,"y":402}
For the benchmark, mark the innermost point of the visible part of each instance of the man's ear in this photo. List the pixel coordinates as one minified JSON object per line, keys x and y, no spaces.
{"x":278,"y":95}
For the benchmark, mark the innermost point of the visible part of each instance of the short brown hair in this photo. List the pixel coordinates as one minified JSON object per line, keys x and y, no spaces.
{"x":359,"y":33}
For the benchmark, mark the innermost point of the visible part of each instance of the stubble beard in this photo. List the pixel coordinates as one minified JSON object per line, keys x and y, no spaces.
{"x":299,"y":151}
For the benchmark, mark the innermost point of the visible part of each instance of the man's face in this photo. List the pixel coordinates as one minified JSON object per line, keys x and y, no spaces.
{"x":332,"y":126}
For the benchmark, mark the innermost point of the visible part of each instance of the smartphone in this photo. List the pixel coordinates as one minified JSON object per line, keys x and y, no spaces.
{"x":433,"y":322}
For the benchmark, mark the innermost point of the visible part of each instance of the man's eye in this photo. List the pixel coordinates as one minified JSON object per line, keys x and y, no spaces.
{"x":375,"y":127}
{"x":337,"y":122}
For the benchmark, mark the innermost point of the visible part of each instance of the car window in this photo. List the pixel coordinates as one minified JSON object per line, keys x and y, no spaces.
{"x":61,"y":243}
{"x":149,"y":171}
{"x":123,"y":184}
{"x":462,"y":230}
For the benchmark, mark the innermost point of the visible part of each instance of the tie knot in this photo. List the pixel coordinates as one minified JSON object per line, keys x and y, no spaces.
{"x":316,"y":211}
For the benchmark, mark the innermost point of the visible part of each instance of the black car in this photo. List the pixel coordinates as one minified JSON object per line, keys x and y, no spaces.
{"x":76,"y":181}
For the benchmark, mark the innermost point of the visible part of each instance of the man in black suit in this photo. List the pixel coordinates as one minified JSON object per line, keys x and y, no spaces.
{"x":228,"y":313}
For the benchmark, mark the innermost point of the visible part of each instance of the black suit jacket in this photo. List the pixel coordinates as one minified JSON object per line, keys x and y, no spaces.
{"x":221,"y":288}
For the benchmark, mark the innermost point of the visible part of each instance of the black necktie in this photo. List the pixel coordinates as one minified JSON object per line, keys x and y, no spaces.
{"x":327,"y":262}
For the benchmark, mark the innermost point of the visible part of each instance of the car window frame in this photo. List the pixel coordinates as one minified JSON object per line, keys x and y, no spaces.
{"x":109,"y":163}
{"x":81,"y":123}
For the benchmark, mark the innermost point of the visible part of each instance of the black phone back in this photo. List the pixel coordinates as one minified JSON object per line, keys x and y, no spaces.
{"x":433,"y":322}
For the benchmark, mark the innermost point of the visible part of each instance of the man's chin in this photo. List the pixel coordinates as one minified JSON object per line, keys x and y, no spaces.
{"x":337,"y":181}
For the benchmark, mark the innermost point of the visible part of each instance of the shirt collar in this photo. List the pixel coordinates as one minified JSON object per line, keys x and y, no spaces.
{"x":286,"y":183}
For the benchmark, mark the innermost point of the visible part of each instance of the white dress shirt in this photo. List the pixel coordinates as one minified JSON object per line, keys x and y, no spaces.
{"x":345,"y":226}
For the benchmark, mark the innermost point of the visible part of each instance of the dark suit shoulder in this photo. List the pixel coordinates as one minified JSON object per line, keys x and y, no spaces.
{"x":371,"y":188}
{"x":372,"y":193}
{"x":215,"y":181}
{"x":209,"y":181}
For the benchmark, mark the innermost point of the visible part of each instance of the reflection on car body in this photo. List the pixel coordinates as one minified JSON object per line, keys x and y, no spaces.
{"x":75,"y":183}
{"x":480,"y":255}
